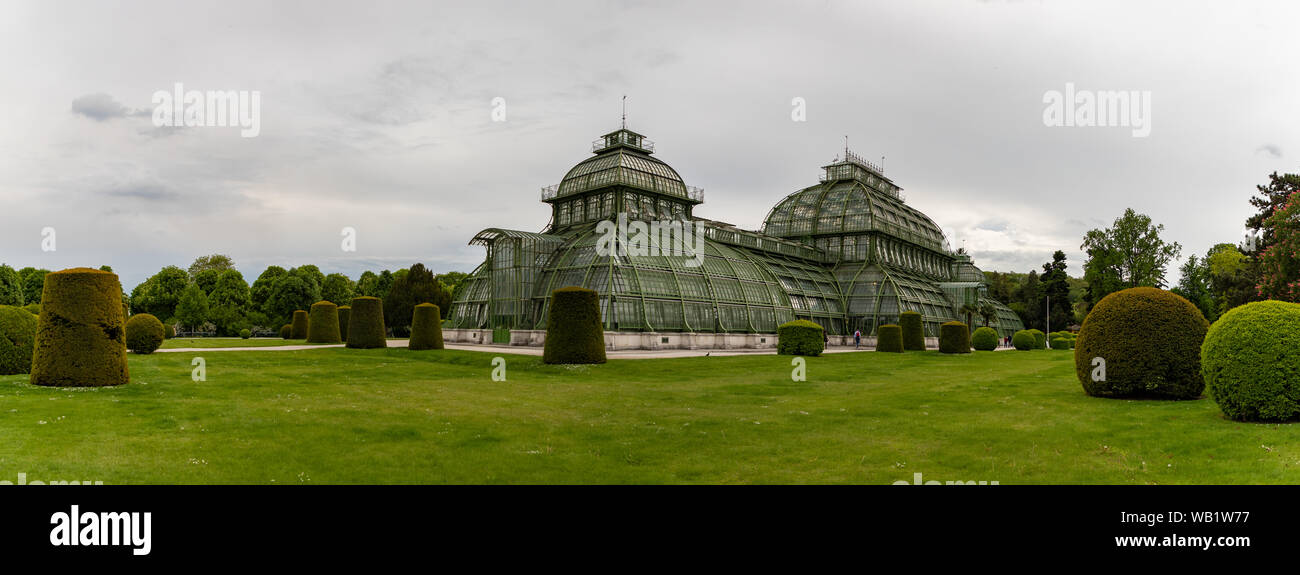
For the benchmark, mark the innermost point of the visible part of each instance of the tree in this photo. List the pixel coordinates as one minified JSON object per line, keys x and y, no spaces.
{"x":367,"y":284}
{"x":1231,"y":276}
{"x":1276,"y":193}
{"x":988,"y":313}
{"x":215,"y":262}
{"x":452,"y":283}
{"x":1030,"y":300}
{"x":159,"y":294}
{"x":291,"y":292}
{"x":969,"y":311}
{"x":1279,"y":263}
{"x":338,"y":289}
{"x":1056,"y":289}
{"x":1194,"y":285}
{"x":410,"y":289}
{"x":206,"y":280}
{"x":33,"y":283}
{"x":11,"y":287}
{"x":383,"y":284}
{"x":228,"y":302}
{"x":260,"y":293}
{"x":192,"y":307}
{"x":1128,"y":254}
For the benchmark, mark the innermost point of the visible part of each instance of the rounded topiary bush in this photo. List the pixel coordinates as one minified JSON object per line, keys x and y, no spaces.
{"x":913,"y":331}
{"x":366,"y":324}
{"x":1250,"y":361}
{"x":323,"y":325}
{"x":81,"y":334}
{"x":301,"y":323}
{"x":286,"y":331}
{"x":1024,"y":340}
{"x":954,"y":337}
{"x":1040,"y":338}
{"x":144,"y":333}
{"x":1150,"y":342}
{"x":889,"y":338}
{"x":345,"y":313}
{"x":800,"y":337}
{"x":984,"y":339}
{"x":245,"y":333}
{"x":426,"y":327}
{"x":1059,"y":342}
{"x":17,"y":339}
{"x":33,"y":308}
{"x":574,"y":333}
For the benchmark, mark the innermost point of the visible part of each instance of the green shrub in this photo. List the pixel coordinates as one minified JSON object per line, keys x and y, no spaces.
{"x":913,"y":331}
{"x":426,"y":327}
{"x":1150,"y":340}
{"x":245,"y":333}
{"x":1040,"y":339}
{"x":323,"y":325}
{"x":800,"y":337}
{"x":954,"y":337}
{"x":169,"y":332}
{"x":1250,"y":361}
{"x":17,"y":339}
{"x":366,"y":324}
{"x":889,"y":338}
{"x":144,"y":333}
{"x":286,"y":331}
{"x":345,"y":312}
{"x":33,"y":308}
{"x":1024,"y":340}
{"x":1059,"y":342}
{"x":81,"y":335}
{"x":574,"y":333}
{"x":301,"y":323}
{"x":985,"y":339}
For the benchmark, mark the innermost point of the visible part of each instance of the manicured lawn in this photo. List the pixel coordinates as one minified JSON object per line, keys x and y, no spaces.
{"x":230,"y":342}
{"x":397,"y":416}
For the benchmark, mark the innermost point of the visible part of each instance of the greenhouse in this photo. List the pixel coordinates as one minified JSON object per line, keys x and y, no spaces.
{"x":847,"y":253}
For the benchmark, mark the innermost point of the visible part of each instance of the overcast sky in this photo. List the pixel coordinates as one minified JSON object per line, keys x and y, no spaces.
{"x":378,"y":116}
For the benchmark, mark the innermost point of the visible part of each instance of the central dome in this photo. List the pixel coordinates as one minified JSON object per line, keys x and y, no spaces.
{"x":623,"y":157}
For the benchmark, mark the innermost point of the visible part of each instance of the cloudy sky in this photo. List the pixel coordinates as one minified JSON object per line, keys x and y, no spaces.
{"x":378,"y":116}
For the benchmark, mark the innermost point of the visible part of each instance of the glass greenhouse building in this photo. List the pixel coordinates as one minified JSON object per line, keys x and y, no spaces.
{"x":846,"y":253}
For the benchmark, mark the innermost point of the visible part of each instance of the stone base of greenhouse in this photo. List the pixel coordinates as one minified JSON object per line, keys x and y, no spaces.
{"x":629,"y":340}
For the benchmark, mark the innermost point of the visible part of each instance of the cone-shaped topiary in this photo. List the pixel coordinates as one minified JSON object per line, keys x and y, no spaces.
{"x":800,"y":337}
{"x":913,"y":331}
{"x":323,"y":326}
{"x":984,"y":339}
{"x":1024,"y":340}
{"x":144,"y":333}
{"x":345,"y":312}
{"x":301,"y":323}
{"x":366,"y":324}
{"x":17,"y":338}
{"x":286,"y":331}
{"x":426,"y":327}
{"x":1251,"y":362}
{"x":954,"y":337}
{"x":1150,"y":342}
{"x":574,"y":333}
{"x":889,"y":338}
{"x":81,"y":335}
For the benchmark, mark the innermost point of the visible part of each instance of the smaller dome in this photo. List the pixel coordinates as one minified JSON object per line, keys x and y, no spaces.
{"x":624,"y":158}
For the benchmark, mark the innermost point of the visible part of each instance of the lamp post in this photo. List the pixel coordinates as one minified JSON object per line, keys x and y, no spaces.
{"x":1049,"y":321}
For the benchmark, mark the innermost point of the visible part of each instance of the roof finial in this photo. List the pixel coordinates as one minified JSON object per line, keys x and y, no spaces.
{"x":846,"y":146}
{"x":624,"y":111}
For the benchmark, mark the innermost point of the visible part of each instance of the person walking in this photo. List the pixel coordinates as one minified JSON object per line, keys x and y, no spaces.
{"x":857,"y":339}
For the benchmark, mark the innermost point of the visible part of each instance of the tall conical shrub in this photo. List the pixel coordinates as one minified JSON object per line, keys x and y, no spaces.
{"x":286,"y":331}
{"x":913,"y":331}
{"x":954,"y":337}
{"x":426,"y":327}
{"x":574,"y":333}
{"x":301,"y":323}
{"x":81,"y":334}
{"x":889,"y":338}
{"x":345,"y":313}
{"x":366,"y":324}
{"x":323,"y":325}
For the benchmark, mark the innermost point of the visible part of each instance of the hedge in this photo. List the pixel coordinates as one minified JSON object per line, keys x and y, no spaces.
{"x":913,"y":331}
{"x":889,"y":338}
{"x":985,"y":339}
{"x":323,"y":323}
{"x":33,"y":308}
{"x":1150,"y":340}
{"x":286,"y":331}
{"x":426,"y":327}
{"x":1024,"y":340}
{"x":1250,"y":361}
{"x":17,"y":339}
{"x":81,"y":335}
{"x":954,"y":337}
{"x":574,"y":333}
{"x":144,"y":333}
{"x":245,"y":333}
{"x":366,"y":324}
{"x":1040,"y":338}
{"x":345,"y":312}
{"x":800,"y":337}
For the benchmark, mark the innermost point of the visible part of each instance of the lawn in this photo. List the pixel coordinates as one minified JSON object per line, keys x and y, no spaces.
{"x":396,"y":416}
{"x":230,"y":342}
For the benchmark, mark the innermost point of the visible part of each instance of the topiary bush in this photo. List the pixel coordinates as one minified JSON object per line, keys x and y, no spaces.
{"x":954,"y":337}
{"x":1250,"y":361}
{"x":1040,"y":338}
{"x":913,"y":331}
{"x":1059,"y":342}
{"x":574,"y":333}
{"x":169,"y":332}
{"x":985,"y":339}
{"x":144,"y":333}
{"x":286,"y":331}
{"x":323,"y":325}
{"x":245,"y":333}
{"x":345,"y":312}
{"x":1024,"y":340}
{"x":426,"y":327}
{"x":366,"y":324}
{"x":17,"y":339}
{"x":301,"y":323}
{"x":889,"y":338}
{"x":81,"y":335}
{"x":33,"y":308}
{"x":1150,"y":340}
{"x":800,"y":337}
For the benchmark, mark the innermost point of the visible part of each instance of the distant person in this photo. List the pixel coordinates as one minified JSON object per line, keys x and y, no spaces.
{"x":857,"y":339}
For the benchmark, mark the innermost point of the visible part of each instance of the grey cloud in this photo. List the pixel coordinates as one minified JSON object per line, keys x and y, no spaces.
{"x":101,"y":107}
{"x":1269,"y":150}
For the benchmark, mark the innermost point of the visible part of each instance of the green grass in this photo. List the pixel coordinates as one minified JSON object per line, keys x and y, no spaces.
{"x":396,"y":416}
{"x":206,"y":342}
